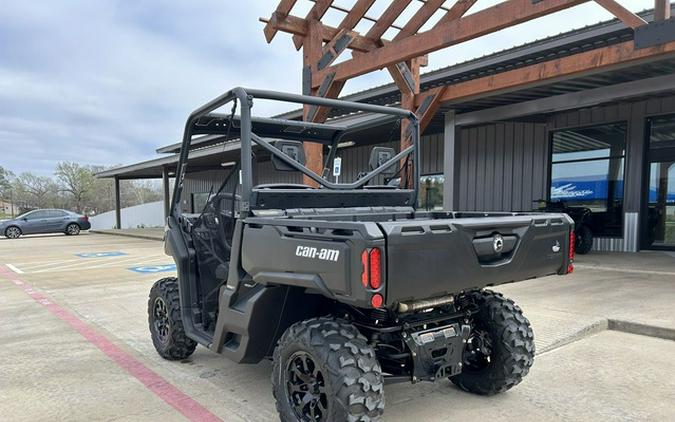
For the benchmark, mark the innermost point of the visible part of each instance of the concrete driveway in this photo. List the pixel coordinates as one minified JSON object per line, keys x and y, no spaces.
{"x":73,"y":328}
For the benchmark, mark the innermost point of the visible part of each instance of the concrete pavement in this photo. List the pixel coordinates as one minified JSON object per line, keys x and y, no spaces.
{"x":50,"y":371}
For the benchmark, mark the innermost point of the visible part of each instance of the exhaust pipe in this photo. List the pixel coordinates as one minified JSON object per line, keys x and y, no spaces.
{"x":404,"y":307}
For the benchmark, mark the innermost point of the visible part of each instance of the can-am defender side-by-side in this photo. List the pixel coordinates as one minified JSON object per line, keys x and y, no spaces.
{"x":345,"y":286}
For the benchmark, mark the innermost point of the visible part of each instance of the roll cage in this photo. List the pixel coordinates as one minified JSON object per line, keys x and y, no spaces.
{"x":251,"y":130}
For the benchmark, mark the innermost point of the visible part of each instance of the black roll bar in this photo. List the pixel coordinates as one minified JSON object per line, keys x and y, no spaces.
{"x":245,"y":98}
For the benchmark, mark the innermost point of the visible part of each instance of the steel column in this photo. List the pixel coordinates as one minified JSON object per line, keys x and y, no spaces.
{"x":118,"y":210}
{"x":165,"y":185}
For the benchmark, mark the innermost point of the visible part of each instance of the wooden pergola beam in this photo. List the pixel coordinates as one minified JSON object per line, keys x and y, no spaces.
{"x":387,"y":19}
{"x":457,"y":10}
{"x":357,"y":13}
{"x":283,"y":8}
{"x":481,"y":23}
{"x":419,"y":18}
{"x":316,"y":13}
{"x":626,"y":16}
{"x":299,"y":26}
{"x":588,"y":62}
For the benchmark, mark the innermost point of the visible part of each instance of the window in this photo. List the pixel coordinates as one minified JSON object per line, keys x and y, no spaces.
{"x":662,"y":132}
{"x":587,"y":171}
{"x":199,"y":201}
{"x":431,"y":192}
{"x":35,"y":215}
{"x":55,"y":214}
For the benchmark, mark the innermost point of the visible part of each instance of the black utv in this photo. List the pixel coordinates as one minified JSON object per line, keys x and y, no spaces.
{"x":344,"y":285}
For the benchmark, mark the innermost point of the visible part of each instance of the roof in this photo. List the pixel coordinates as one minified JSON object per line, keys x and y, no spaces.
{"x":572,"y":42}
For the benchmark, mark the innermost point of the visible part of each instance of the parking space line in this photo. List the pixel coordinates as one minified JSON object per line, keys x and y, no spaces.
{"x":13,"y":268}
{"x":87,"y":264}
{"x":154,"y":382}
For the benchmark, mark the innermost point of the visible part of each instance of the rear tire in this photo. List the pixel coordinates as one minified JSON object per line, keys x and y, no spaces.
{"x":324,"y":370}
{"x":500,"y":350}
{"x":13,"y":232}
{"x":166,"y":324}
{"x":584,"y":240}
{"x":72,"y":229}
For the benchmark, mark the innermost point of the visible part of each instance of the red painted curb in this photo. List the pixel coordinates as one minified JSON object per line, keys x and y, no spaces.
{"x":180,"y":401}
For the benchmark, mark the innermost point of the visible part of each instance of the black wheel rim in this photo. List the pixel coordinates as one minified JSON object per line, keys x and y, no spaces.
{"x":161,"y":320}
{"x":306,"y":388}
{"x":478,"y":351}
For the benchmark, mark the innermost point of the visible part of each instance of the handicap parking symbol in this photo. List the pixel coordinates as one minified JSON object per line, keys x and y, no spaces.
{"x":99,"y":254}
{"x":153,"y":268}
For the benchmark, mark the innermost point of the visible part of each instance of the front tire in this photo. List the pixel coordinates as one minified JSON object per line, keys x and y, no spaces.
{"x":584,"y":240}
{"x":12,"y":232}
{"x":500,"y":349}
{"x":166,"y":324}
{"x":72,"y":229}
{"x":324,"y":370}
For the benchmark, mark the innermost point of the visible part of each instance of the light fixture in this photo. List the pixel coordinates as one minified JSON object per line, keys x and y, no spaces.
{"x":346,"y":144}
{"x":228,"y":164}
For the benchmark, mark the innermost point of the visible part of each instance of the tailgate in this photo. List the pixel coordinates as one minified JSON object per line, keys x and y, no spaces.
{"x":427,"y":258}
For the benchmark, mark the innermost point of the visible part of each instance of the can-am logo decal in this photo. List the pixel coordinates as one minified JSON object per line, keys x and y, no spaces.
{"x":316,"y":253}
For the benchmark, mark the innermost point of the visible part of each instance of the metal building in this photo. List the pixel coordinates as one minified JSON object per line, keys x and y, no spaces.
{"x":603,"y":139}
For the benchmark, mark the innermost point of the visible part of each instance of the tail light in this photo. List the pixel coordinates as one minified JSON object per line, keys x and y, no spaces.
{"x":375,"y":268}
{"x":371,"y":259}
{"x":570,"y":265}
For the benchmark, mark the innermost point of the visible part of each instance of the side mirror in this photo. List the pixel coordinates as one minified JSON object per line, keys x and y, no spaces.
{"x":379,"y":156}
{"x":292,"y":149}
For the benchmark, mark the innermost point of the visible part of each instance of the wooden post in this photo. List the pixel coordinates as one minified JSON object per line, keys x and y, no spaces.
{"x":408,"y":103}
{"x":118,"y":210}
{"x":311,"y":52}
{"x":661,"y":10}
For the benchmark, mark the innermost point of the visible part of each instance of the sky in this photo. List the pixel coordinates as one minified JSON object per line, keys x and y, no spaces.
{"x":106,"y":82}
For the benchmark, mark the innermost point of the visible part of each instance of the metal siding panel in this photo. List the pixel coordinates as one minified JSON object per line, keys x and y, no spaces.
{"x":507,"y":199}
{"x":471,"y":193}
{"x":573,"y":118}
{"x":668,"y":105}
{"x":438,"y":157}
{"x":598,"y":114}
{"x":426,"y":154}
{"x":517,"y":166}
{"x":653,"y":106}
{"x":463,"y":170}
{"x":489,"y":187}
{"x":611,"y":112}
{"x":498,"y":183}
{"x":480,"y":169}
{"x":539,"y":169}
{"x":528,"y":157}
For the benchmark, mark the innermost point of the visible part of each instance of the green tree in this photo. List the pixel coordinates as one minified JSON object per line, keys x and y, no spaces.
{"x":31,"y":191}
{"x":6,"y":177}
{"x":76,"y":180}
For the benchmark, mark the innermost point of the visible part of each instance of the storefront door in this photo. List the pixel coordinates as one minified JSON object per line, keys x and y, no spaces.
{"x":659,"y":210}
